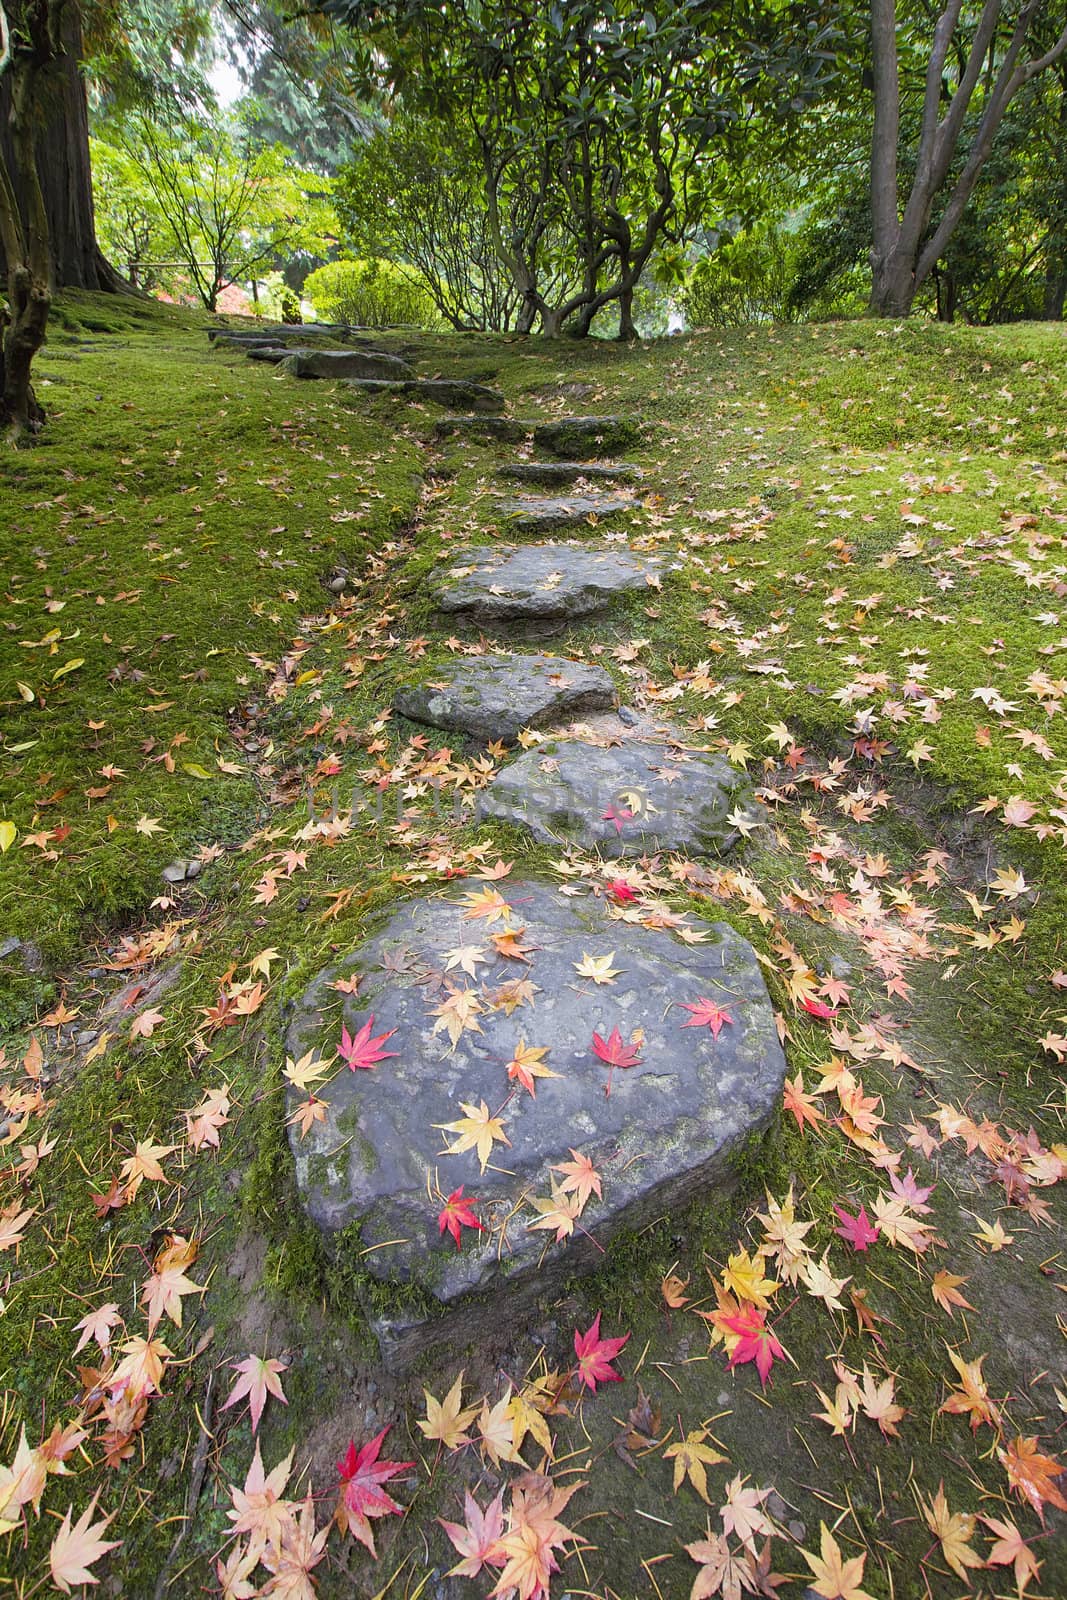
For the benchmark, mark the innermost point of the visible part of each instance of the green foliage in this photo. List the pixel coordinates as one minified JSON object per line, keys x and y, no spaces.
{"x":603,"y":133}
{"x":414,"y":194}
{"x":369,"y":294}
{"x":231,"y":209}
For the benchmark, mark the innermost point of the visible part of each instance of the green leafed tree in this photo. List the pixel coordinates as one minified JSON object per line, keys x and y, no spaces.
{"x":232,"y":210}
{"x":964,"y":66}
{"x":603,"y":130}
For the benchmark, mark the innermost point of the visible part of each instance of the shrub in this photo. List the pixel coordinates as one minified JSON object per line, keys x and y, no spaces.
{"x":369,"y":294}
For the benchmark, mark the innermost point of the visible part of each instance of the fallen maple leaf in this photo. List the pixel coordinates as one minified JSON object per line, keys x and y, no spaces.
{"x":721,"y":1571}
{"x":596,"y":1354}
{"x":362,"y":1052}
{"x":706,"y":1014}
{"x":856,"y":1231}
{"x":1030,"y":1474}
{"x":972,"y":1396}
{"x":447,"y":1420}
{"x":74,"y":1549}
{"x":599,"y":968}
{"x":580,"y":1179}
{"x":362,"y":1495}
{"x":1011,"y":1550}
{"x":457,"y":1213}
{"x":477,"y":1131}
{"x":743,"y":1513}
{"x":258,"y":1378}
{"x":690,"y":1456}
{"x":755,"y":1341}
{"x":945,"y":1290}
{"x":527,"y":1064}
{"x":955,"y":1530}
{"x":615,"y":1052}
{"x":478,"y":1539}
{"x":836,"y":1578}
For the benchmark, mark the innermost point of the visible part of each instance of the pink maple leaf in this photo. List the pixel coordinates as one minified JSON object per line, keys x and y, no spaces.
{"x":595,"y":1355}
{"x":856,"y":1231}
{"x":362,"y":1051}
{"x":362,"y":1495}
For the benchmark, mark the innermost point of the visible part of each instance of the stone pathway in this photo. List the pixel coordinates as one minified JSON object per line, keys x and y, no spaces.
{"x":495,"y":696}
{"x":548,"y":514}
{"x":680,"y":1099}
{"x":515,"y":1024}
{"x":538,"y":588}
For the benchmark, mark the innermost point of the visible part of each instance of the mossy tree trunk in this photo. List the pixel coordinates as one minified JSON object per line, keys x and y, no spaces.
{"x":29,"y":44}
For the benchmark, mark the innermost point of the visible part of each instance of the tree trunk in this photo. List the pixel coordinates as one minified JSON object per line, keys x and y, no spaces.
{"x":1055,"y":293}
{"x":627,"y":326}
{"x":63,"y":169}
{"x":892,"y":286}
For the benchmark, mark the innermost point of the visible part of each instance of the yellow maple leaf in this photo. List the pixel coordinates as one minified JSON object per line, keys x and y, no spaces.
{"x":447,"y":1420}
{"x":599,"y":968}
{"x":955,"y":1529}
{"x":744,"y":1278}
{"x":690,"y":1456}
{"x":477,"y":1131}
{"x":836,"y":1578}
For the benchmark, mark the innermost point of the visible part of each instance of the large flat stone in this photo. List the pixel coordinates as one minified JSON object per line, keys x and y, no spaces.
{"x":506,"y":430}
{"x":560,"y":474}
{"x":662,"y":1138}
{"x":550,"y":513}
{"x":630,"y":799}
{"x":574,"y":437}
{"x":494,"y":696}
{"x":435,"y":391}
{"x":346,"y":364}
{"x":537,"y":589}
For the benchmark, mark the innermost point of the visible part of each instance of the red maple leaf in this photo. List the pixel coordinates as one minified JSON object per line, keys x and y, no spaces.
{"x":620,"y":890}
{"x":362,"y":1496}
{"x":817,"y":1007}
{"x":755,"y":1341}
{"x":706,"y":1014}
{"x":456,"y":1213}
{"x":616,"y":1052}
{"x":857,"y":1230}
{"x":618,"y":817}
{"x":363,"y":1051}
{"x":595,"y":1355}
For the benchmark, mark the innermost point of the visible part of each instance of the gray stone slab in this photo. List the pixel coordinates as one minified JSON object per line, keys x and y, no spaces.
{"x":435,"y":391}
{"x":537,"y":589}
{"x":346,"y":364}
{"x":506,"y":430}
{"x":274,"y":354}
{"x":559,"y":474}
{"x":630,"y":799}
{"x":662,"y":1138}
{"x":495,"y":696}
{"x":548,"y":514}
{"x":575,"y":437}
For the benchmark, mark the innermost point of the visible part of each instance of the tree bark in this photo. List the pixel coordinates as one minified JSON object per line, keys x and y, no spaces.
{"x":902,"y":254}
{"x":63,"y":168}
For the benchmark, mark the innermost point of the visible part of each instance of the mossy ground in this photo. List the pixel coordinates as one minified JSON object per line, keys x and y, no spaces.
{"x":862,"y":514}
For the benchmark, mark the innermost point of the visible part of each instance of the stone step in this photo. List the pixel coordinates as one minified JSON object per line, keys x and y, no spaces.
{"x":346,"y":364}
{"x":437,"y":391}
{"x":548,"y":514}
{"x":508,"y":430}
{"x":662,"y":1138}
{"x":632,"y":799}
{"x":575,"y":437}
{"x":558,"y":474}
{"x":495,"y":696}
{"x":272,"y":353}
{"x":537,"y":589}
